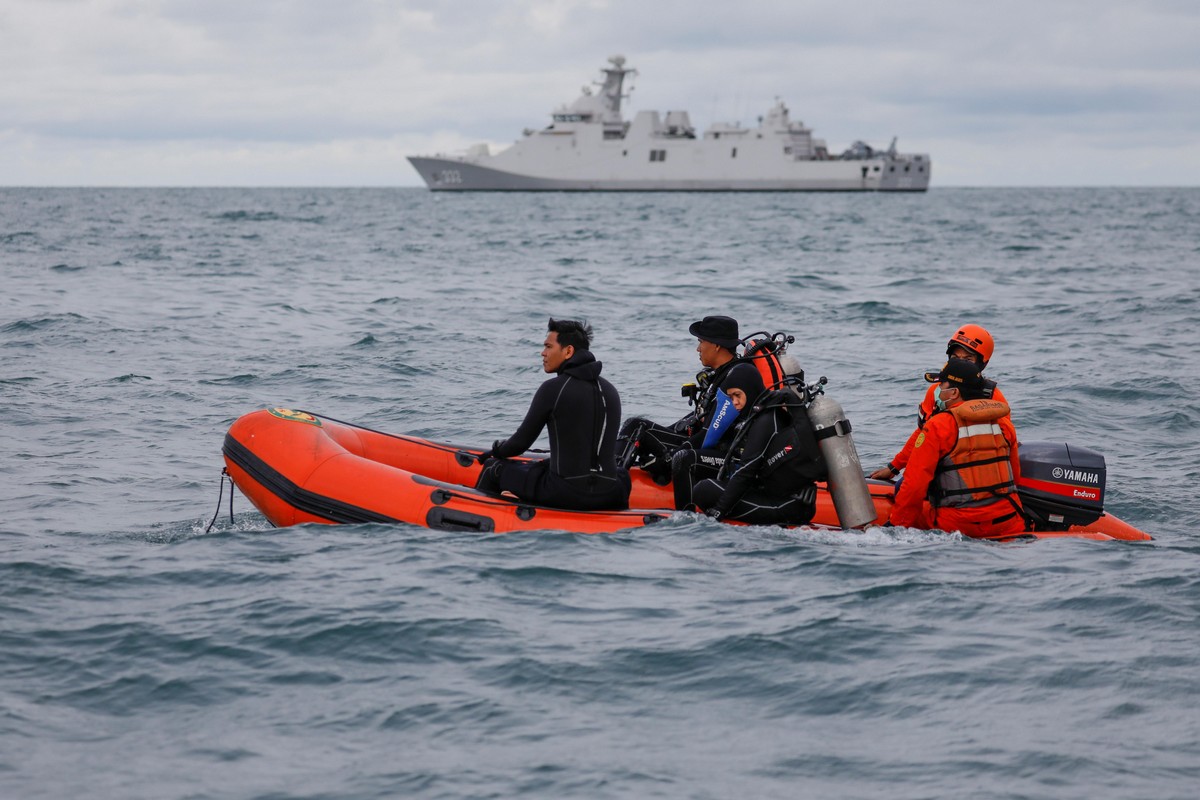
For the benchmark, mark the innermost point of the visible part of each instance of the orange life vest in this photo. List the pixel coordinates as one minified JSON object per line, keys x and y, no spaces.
{"x":977,"y":471}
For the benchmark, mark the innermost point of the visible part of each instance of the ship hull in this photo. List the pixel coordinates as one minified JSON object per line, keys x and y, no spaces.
{"x":460,"y":175}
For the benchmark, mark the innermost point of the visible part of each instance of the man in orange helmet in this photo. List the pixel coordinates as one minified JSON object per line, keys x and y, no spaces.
{"x":964,"y":460}
{"x":972,"y":343}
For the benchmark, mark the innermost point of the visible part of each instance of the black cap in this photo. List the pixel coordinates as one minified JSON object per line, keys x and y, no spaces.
{"x":937,"y":376}
{"x":721,"y":331}
{"x":961,"y":374}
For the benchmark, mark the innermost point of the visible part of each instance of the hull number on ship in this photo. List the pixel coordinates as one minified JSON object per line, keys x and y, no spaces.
{"x":447,"y":176}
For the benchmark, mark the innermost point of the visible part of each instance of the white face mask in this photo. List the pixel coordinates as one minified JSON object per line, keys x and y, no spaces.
{"x":937,"y":399}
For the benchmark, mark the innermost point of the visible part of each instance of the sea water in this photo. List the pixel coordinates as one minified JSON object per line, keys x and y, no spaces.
{"x":143,"y":655}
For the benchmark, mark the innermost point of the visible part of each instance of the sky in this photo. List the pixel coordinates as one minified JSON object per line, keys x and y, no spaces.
{"x":325,"y":93}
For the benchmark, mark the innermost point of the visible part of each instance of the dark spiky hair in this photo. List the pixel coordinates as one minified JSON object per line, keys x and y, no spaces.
{"x":577,"y":333}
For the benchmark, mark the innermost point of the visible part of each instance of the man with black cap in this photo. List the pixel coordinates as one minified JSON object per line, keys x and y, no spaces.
{"x":650,"y":445}
{"x":964,"y":461}
{"x":717,"y":340}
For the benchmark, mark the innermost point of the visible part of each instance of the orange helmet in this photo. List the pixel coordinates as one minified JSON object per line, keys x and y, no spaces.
{"x":975,"y":339}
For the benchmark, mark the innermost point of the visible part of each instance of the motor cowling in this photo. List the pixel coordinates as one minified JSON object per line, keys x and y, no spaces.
{"x":847,"y":484}
{"x":1061,"y":485}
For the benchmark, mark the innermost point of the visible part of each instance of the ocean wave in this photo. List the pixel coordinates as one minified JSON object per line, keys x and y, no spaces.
{"x":705,"y":660}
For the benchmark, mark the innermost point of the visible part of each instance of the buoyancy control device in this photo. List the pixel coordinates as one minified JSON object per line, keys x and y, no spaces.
{"x":1061,"y":485}
{"x":847,"y":483}
{"x":766,"y":351}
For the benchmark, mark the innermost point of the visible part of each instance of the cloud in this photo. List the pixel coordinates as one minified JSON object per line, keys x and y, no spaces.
{"x":130,"y":91}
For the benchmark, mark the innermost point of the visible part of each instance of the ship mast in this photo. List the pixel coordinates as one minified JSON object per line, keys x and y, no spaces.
{"x":610,"y":90}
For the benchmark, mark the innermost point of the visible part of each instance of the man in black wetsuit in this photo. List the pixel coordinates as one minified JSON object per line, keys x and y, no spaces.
{"x":650,"y":445}
{"x":582,"y":411}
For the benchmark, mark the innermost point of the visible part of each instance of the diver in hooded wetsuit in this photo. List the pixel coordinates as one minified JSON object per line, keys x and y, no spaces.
{"x":693,"y":462}
{"x":581,"y":411}
{"x":768,"y":471}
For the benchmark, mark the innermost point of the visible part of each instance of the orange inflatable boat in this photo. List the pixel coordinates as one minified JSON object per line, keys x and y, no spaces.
{"x":297,"y":467}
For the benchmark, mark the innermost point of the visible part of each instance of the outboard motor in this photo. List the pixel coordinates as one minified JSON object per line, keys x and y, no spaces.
{"x":1061,"y":485}
{"x":847,"y":485}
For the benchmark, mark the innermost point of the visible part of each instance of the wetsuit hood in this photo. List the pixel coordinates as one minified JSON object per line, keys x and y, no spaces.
{"x":744,"y":376}
{"x":582,"y":365}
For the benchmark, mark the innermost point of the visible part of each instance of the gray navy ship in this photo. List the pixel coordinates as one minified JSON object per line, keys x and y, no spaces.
{"x":589,"y":146}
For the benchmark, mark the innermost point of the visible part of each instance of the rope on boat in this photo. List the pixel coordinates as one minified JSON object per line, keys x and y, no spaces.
{"x":220,"y":496}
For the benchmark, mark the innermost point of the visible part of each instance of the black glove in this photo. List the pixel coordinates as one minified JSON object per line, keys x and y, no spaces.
{"x":684,"y":425}
{"x":486,"y":454}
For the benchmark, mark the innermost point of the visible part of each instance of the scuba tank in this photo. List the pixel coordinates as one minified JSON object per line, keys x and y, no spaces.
{"x":791,"y":366}
{"x":847,"y":485}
